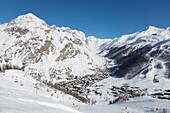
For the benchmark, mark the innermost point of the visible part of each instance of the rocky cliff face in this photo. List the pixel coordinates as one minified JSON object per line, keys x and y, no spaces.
{"x":53,"y":52}
{"x":144,"y":53}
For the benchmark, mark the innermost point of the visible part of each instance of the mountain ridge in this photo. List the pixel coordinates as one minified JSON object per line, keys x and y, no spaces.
{"x":47,"y":69}
{"x":29,"y":42}
{"x":33,"y":41}
{"x":135,"y":52}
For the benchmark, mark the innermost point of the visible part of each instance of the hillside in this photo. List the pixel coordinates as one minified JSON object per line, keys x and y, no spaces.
{"x":53,"y":53}
{"x":53,"y":69}
{"x":145,"y":53}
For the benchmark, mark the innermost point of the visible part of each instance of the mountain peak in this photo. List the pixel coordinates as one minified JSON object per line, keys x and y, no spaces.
{"x":29,"y":17}
{"x":28,"y":20}
{"x":151,"y":29}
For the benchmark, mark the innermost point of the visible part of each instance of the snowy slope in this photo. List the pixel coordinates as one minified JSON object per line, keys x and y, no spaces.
{"x":38,"y":52}
{"x":145,"y":53}
{"x":29,"y":43}
{"x":149,"y":35}
{"x":19,"y":95}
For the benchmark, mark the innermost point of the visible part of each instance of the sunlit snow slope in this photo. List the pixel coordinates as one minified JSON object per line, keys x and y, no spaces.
{"x":28,"y":43}
{"x":19,"y":95}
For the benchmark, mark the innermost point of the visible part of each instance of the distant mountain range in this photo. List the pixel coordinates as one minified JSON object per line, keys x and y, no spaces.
{"x":53,"y":53}
{"x":144,"y":53}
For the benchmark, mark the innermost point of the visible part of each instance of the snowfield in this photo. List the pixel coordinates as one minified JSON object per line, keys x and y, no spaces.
{"x":18,"y":95}
{"x":15,"y":98}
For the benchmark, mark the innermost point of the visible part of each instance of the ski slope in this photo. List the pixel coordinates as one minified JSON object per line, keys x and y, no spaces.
{"x":22,"y":97}
{"x":15,"y":98}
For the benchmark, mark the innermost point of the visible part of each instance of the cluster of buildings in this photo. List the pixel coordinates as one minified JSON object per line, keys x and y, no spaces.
{"x":80,"y":84}
{"x":125,"y":92}
{"x":161,"y":94}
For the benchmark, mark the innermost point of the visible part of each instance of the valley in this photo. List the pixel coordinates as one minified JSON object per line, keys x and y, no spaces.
{"x":53,"y":69}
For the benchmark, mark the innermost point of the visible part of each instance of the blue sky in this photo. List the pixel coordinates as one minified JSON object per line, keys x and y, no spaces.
{"x":101,"y":18}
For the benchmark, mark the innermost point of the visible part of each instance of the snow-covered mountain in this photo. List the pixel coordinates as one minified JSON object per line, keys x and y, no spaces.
{"x":145,"y":53}
{"x":29,"y":43}
{"x":62,"y":70}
